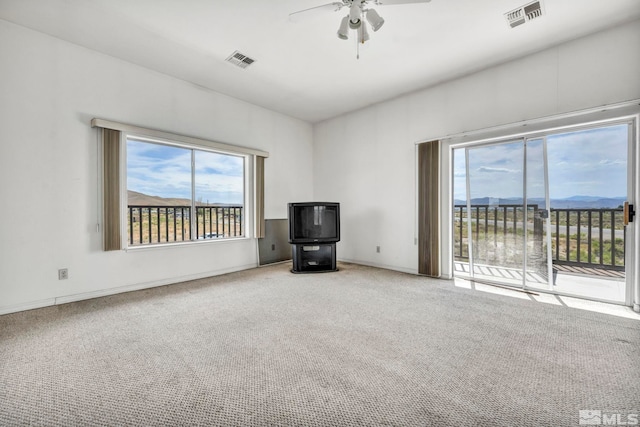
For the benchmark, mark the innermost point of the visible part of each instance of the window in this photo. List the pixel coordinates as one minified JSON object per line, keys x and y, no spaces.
{"x":181,"y":193}
{"x":180,"y":188}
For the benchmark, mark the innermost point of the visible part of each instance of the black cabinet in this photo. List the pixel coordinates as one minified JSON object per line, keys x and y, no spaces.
{"x":308,"y":258}
{"x":314,"y":229}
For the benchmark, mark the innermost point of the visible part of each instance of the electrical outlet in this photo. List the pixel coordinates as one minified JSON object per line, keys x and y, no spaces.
{"x":273,"y":247}
{"x":378,"y":249}
{"x":63,"y":274}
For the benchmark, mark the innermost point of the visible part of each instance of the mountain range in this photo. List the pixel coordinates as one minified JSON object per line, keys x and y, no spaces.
{"x":140,"y":199}
{"x":573,"y":202}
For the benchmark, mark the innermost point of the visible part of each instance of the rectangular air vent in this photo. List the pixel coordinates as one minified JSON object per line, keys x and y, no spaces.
{"x":239,"y":59}
{"x":524,"y":13}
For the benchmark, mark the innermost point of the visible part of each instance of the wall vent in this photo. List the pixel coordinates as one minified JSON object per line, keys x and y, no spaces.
{"x":524,"y":13}
{"x":239,"y":59}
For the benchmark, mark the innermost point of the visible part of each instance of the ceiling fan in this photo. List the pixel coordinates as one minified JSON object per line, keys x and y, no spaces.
{"x":358,"y":9}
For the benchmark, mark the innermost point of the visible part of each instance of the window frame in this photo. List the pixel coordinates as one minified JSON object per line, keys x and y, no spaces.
{"x":248,"y":189}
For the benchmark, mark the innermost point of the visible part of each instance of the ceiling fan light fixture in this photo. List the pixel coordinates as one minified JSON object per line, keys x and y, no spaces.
{"x":374,"y":19}
{"x":343,"y":31}
{"x":359,"y":14}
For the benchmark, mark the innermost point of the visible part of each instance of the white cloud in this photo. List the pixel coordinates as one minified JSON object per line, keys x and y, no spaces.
{"x":607,"y":162}
{"x":496,"y":170}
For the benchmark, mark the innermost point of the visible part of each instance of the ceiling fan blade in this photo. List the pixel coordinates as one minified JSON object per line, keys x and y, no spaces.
{"x":391,"y":2}
{"x":301,"y":14}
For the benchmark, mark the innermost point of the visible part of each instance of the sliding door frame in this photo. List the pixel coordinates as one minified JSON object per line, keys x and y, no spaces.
{"x":525,"y":211}
{"x":626,"y":113}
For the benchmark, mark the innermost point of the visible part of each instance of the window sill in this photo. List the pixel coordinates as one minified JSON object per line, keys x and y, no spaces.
{"x":154,"y":246}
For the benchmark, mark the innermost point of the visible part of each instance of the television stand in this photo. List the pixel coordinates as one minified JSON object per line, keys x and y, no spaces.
{"x":314,"y":257}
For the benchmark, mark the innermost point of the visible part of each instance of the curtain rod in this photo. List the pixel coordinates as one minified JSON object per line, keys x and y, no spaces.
{"x":140,"y":131}
{"x":539,"y":120}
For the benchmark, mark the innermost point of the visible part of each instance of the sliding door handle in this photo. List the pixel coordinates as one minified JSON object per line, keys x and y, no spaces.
{"x":628,"y":213}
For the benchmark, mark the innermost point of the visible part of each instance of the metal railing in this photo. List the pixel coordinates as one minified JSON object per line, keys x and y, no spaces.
{"x":580,"y":237}
{"x":598,"y":233}
{"x":166,"y":224}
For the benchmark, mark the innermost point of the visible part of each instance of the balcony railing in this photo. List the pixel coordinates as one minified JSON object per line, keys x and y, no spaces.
{"x":580,"y":237}
{"x":166,"y":224}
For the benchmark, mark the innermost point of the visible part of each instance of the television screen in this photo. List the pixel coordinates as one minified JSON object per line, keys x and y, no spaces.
{"x":314,"y":222}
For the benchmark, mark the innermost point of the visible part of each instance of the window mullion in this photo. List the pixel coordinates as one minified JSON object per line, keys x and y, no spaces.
{"x":194,"y":213}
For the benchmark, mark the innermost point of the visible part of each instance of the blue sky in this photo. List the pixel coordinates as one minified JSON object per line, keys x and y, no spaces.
{"x":585,"y":163}
{"x":165,"y":171}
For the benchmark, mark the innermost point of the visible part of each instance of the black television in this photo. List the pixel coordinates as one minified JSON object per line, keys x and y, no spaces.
{"x":314,"y":222}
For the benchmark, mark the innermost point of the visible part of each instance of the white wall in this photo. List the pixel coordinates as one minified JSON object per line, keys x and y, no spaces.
{"x":366,"y":159}
{"x":49,"y":92}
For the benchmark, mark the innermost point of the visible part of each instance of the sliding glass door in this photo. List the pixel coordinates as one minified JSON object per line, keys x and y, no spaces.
{"x":591,"y":176}
{"x":548,"y":212}
{"x":494,"y":213}
{"x":504,"y":213}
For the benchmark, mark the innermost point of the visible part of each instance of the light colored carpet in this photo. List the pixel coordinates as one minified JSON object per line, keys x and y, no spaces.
{"x":362,"y":346}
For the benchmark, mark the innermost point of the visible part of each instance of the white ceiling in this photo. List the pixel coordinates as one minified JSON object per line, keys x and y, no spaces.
{"x":302,"y":69}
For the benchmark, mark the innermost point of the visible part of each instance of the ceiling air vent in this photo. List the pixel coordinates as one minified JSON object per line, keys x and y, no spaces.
{"x":239,"y":59}
{"x":524,"y":13}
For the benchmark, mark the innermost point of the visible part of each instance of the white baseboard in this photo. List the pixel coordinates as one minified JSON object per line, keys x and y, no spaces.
{"x":27,"y":306}
{"x":378,"y":265}
{"x":118,"y":290}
